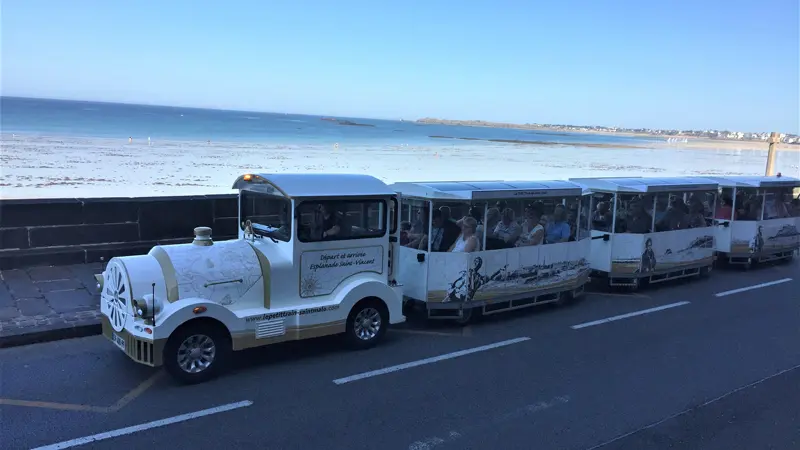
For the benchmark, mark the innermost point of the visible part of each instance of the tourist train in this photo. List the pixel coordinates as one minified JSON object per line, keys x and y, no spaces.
{"x":324,"y":254}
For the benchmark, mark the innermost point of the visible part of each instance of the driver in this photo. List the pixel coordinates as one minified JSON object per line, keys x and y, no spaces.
{"x":330,"y":222}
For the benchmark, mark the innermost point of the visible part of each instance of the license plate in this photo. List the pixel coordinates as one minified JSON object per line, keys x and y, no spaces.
{"x":118,"y":341}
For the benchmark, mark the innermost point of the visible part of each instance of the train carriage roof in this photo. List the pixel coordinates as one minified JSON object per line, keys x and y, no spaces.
{"x":313,"y":185}
{"x":486,"y":190}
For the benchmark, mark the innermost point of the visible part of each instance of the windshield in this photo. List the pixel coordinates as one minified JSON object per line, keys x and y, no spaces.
{"x":269,"y":215}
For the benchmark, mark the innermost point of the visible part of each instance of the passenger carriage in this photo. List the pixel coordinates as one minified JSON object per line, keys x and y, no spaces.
{"x":311,"y":259}
{"x":651,"y":229}
{"x":758,"y":219}
{"x":503,"y":271}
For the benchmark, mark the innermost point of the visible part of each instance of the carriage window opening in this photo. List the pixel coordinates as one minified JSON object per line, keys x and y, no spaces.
{"x":724,"y":204}
{"x":777,"y":203}
{"x":341,"y":220}
{"x":748,"y":204}
{"x":584,"y":225}
{"x":635,"y":213}
{"x":447,"y":220}
{"x":560,"y":220}
{"x":268,"y":215}
{"x":414,"y":224}
{"x":603,"y":211}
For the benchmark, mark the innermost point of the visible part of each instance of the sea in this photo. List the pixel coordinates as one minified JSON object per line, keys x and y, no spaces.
{"x":58,"y":148}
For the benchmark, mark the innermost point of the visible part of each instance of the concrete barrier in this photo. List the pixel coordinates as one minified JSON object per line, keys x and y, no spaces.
{"x":82,"y":230}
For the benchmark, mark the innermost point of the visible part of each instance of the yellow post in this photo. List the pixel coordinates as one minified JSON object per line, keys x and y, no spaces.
{"x":774,"y":138}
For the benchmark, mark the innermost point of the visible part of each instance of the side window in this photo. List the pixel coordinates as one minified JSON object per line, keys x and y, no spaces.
{"x":341,"y":220}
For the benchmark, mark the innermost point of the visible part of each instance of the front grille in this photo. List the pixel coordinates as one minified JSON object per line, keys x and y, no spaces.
{"x":139,"y":350}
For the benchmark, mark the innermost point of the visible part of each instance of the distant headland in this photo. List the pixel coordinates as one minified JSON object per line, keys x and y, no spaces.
{"x":725,"y":135}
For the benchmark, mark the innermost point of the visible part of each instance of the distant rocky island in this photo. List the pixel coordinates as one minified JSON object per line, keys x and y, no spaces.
{"x":701,"y":134}
{"x":346,"y":122}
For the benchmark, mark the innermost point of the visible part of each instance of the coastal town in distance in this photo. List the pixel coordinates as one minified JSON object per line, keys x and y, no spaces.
{"x":699,"y":134}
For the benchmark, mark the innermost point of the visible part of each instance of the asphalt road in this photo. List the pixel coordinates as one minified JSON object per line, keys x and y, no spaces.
{"x":718,"y":372}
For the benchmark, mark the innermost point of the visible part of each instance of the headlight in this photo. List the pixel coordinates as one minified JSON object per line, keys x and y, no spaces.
{"x":147,"y":306}
{"x":99,"y":278}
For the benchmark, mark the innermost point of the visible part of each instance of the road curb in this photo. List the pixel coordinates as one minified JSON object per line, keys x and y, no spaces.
{"x":40,"y":336}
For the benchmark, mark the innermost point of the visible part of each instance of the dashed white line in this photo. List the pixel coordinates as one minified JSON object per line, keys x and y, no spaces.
{"x":755,"y":286}
{"x":145,"y":426}
{"x":625,"y":316}
{"x":434,"y":359}
{"x":434,"y":441}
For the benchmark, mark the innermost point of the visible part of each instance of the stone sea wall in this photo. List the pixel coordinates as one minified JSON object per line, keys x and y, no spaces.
{"x":41,"y":232}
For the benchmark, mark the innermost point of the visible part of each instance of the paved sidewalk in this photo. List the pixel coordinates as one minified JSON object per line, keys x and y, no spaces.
{"x":41,"y":304}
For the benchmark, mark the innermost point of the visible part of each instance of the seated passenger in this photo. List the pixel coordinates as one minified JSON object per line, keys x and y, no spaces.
{"x":476,"y":213}
{"x":468,"y":241}
{"x":405,"y":230}
{"x":639,"y":221}
{"x":443,"y":234}
{"x":675,"y":217}
{"x":752,"y":210}
{"x":724,"y":209}
{"x":418,"y":236}
{"x":492,"y":218}
{"x":602,"y":217}
{"x":696,"y":217}
{"x":557,"y":230}
{"x":532,"y":230}
{"x":794,"y":207}
{"x":447,"y":214}
{"x":507,"y":229}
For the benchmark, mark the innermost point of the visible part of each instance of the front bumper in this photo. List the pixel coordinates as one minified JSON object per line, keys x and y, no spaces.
{"x":143,"y":351}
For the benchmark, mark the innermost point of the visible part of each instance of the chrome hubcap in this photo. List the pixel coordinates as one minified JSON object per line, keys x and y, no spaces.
{"x":196,"y":353}
{"x":367,"y":323}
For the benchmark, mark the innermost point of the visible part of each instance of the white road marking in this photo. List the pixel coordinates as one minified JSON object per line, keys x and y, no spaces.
{"x":145,"y":426}
{"x":750,"y":288}
{"x":434,"y":359}
{"x":432,"y":442}
{"x":625,"y":316}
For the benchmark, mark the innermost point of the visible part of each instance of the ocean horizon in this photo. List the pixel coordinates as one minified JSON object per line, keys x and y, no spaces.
{"x":66,"y":148}
{"x":121,"y":120}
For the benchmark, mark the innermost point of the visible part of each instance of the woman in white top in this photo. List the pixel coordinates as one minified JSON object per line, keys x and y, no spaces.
{"x":468,"y":241}
{"x":532,"y":230}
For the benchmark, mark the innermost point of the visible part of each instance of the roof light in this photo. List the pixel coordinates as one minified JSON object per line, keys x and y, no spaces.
{"x":247,"y":177}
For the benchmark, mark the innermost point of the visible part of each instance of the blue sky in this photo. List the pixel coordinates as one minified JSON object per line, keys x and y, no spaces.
{"x":670,"y":64}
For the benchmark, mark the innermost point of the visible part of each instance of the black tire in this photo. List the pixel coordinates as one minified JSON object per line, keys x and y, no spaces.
{"x":374,"y":320}
{"x":468,"y":316}
{"x":201,"y":332}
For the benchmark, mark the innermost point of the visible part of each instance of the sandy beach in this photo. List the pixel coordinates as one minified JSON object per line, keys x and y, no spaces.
{"x":57,"y":167}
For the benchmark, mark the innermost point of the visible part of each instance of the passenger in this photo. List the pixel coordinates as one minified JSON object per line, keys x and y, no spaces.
{"x":468,"y":241}
{"x":725,"y":209}
{"x":447,"y":214}
{"x":492,"y":218}
{"x":418,"y":237}
{"x":444,"y":233}
{"x":752,"y":209}
{"x":405,"y":232}
{"x":602,"y":217}
{"x":507,"y":230}
{"x":639,"y":221}
{"x":557,"y":229}
{"x":675,"y":217}
{"x":794,"y":207}
{"x":662,"y":204}
{"x":532,"y":229}
{"x":475,"y":212}
{"x":697,"y":217}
